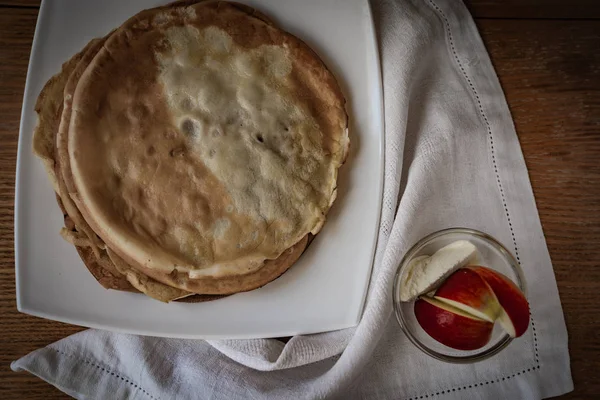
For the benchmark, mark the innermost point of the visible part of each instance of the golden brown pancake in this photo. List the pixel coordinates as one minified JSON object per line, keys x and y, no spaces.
{"x":100,"y":266}
{"x":110,"y":274}
{"x":321,"y":113}
{"x":90,"y":248}
{"x":270,"y":270}
{"x":103,"y":265}
{"x":202,"y":161}
{"x":60,"y":137}
{"x":49,"y":108}
{"x":96,"y":259}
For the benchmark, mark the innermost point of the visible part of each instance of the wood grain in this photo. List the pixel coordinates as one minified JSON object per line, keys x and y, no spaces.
{"x":521,"y":9}
{"x":20,"y":3}
{"x":550,"y":71}
{"x":561,"y":9}
{"x":20,"y":333}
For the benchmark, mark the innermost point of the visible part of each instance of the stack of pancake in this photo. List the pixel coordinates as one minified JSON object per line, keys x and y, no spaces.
{"x":193,"y":150}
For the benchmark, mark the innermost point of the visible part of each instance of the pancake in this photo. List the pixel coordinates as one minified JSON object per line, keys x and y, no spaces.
{"x":144,"y":284}
{"x":139,"y":281}
{"x":99,"y":260}
{"x":49,"y":108}
{"x":110,"y":269}
{"x":98,"y":264}
{"x":204,"y":145}
{"x":270,"y":270}
{"x":73,"y":71}
{"x":84,"y":58}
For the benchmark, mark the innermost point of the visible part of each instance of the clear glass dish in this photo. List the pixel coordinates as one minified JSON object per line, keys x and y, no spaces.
{"x":492,"y":254}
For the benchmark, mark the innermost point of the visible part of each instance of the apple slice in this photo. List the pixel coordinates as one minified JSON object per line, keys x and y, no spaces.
{"x":514,"y":317}
{"x":466,"y":290}
{"x":451,"y":326}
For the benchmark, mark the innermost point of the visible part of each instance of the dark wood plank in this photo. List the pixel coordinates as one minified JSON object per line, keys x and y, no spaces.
{"x":482,"y":8}
{"x":21,"y":3}
{"x":560,"y":9}
{"x":20,"y":333}
{"x":551,"y":76}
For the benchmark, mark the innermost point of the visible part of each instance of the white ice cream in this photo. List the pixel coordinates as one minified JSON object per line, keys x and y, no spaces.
{"x":425,"y":273}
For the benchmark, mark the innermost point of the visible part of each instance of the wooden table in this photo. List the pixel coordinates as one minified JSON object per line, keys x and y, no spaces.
{"x":547,"y":55}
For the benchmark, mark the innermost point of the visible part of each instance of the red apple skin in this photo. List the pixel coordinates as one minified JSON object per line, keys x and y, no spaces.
{"x":509,"y":296}
{"x":451,"y":329}
{"x":467,"y":287}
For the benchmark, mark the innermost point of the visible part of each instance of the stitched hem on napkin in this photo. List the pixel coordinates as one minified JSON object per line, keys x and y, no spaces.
{"x":72,"y":374}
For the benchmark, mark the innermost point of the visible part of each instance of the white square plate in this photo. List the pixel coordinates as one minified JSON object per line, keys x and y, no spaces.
{"x":326,"y":288}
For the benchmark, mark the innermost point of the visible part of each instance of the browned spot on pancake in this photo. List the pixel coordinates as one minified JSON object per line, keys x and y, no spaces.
{"x":188,"y":127}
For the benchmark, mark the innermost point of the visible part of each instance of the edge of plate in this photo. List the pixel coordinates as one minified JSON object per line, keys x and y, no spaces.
{"x":24,"y":107}
{"x":381,"y":116}
{"x":178,"y":335}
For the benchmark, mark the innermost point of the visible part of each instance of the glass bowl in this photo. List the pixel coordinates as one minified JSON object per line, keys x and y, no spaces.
{"x":492,"y":254}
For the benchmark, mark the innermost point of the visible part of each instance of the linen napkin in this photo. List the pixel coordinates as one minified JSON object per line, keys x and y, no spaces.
{"x":452,"y":159}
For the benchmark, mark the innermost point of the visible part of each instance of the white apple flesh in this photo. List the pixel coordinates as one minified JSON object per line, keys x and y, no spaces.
{"x":514,"y":317}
